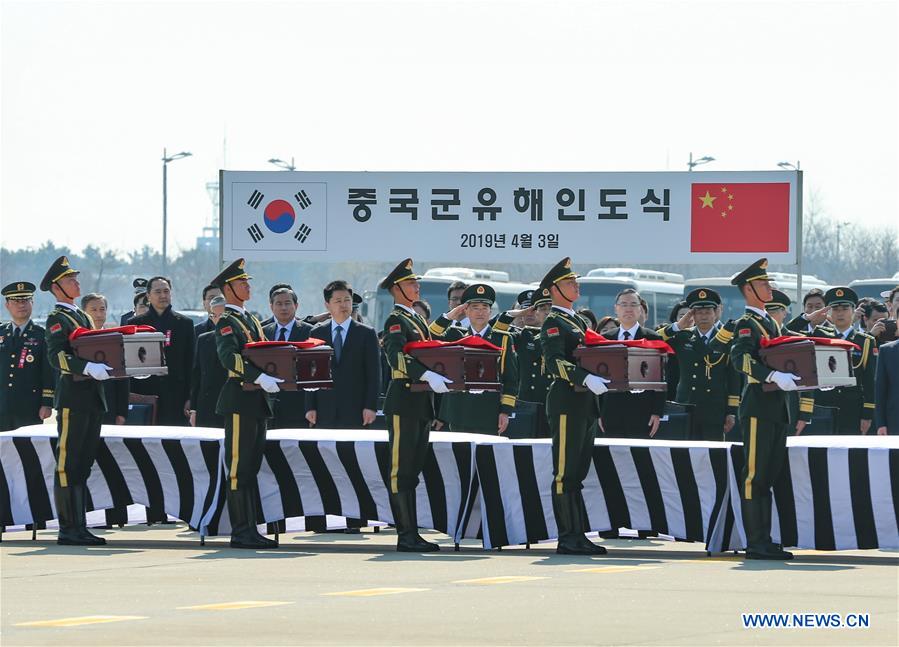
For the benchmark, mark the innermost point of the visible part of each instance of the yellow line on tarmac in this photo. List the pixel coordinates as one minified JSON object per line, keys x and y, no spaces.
{"x":234,"y":606}
{"x":611,"y":569}
{"x":81,"y":620}
{"x":504,"y":579}
{"x":365,"y":593}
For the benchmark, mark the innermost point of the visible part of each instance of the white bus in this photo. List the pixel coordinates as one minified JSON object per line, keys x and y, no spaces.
{"x":662,"y":290}
{"x":874,"y":288}
{"x":732,"y":298}
{"x":434,"y":284}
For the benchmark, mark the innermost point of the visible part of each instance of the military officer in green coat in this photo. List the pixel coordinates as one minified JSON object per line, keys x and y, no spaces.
{"x":408,"y":413}
{"x":855,"y":404}
{"x":28,"y":385}
{"x":800,"y":403}
{"x":80,"y":405}
{"x":707,"y":379}
{"x":245,"y":412}
{"x":571,"y":413}
{"x":486,"y":412}
{"x":764,"y":415}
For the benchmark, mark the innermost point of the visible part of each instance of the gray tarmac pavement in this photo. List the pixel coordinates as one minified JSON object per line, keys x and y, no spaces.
{"x":158,"y":586}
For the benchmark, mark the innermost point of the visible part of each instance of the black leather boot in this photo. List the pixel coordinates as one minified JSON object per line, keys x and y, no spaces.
{"x":765,"y":505}
{"x":584,"y":526}
{"x":404,"y":514}
{"x":252,"y":498}
{"x":242,"y":534}
{"x":80,"y":504}
{"x":568,"y":520}
{"x":758,"y":537}
{"x":65,"y":515}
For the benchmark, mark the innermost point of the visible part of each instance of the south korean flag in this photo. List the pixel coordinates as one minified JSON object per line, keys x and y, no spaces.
{"x":280,"y":216}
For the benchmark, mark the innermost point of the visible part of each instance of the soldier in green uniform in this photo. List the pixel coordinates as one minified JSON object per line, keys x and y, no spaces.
{"x":80,"y":405}
{"x":855,"y":404}
{"x":707,"y":379}
{"x":800,"y":403}
{"x":571,"y":413}
{"x":408,"y":413}
{"x":245,"y":412}
{"x":26,"y":393}
{"x":486,"y":412}
{"x":763,"y":414}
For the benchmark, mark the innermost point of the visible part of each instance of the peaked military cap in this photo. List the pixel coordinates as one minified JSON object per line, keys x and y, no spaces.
{"x":840,"y":296}
{"x":237,"y":270}
{"x":139,"y":285}
{"x":525,"y":298}
{"x":479,"y":293}
{"x":778,"y":300}
{"x":560,"y":271}
{"x":58,"y":269}
{"x":758,"y":271}
{"x":19,"y":291}
{"x":541,"y":296}
{"x":703,"y":298}
{"x":402,"y":272}
{"x":217,"y":300}
{"x":357,"y":300}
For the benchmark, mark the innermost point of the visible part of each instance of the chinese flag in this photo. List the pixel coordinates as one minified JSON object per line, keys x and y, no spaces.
{"x":740,"y":217}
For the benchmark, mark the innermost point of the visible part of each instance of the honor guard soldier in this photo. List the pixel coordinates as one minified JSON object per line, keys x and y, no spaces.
{"x":487,"y":412}
{"x":80,"y":405}
{"x":245,"y":412}
{"x":26,"y":392}
{"x":571,"y":413}
{"x":707,"y":379}
{"x":802,"y":403}
{"x":855,"y":404}
{"x":408,"y":413}
{"x":764,"y":415}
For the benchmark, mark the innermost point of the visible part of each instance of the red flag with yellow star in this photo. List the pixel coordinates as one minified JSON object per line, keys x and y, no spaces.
{"x":740,"y":217}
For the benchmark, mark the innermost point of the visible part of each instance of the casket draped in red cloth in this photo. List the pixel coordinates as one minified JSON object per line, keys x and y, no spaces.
{"x":819,"y":341}
{"x":302,"y":345}
{"x":472,"y":341}
{"x":592,"y":338}
{"x":125,"y":330}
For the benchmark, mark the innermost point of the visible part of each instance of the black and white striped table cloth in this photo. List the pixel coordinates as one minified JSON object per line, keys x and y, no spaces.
{"x":176,"y":469}
{"x":838,"y":493}
{"x":674,"y":488}
{"x":345,"y":473}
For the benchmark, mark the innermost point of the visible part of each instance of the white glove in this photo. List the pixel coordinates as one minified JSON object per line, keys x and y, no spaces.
{"x":268,"y":383}
{"x":596,"y":384}
{"x":98,"y":371}
{"x":784,"y":381}
{"x":436,"y":381}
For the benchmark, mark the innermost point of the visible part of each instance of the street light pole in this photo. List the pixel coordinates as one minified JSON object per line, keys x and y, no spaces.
{"x":702,"y":160}
{"x":282,"y":164}
{"x":165,"y":201}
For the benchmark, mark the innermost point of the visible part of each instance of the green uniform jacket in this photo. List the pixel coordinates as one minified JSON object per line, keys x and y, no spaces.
{"x":855,"y":403}
{"x":400,"y":328}
{"x":30,"y":381}
{"x":232,"y":332}
{"x":561,"y":334}
{"x":480,"y":411}
{"x":707,"y":378}
{"x":83,"y":395}
{"x":748,"y":332}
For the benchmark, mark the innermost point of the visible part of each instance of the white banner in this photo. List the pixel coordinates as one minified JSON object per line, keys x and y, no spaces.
{"x":599,"y":218}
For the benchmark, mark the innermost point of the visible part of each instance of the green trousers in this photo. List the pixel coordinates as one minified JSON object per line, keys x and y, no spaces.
{"x":764,"y":450}
{"x":408,"y":442}
{"x":572,"y":451}
{"x":244,"y":447}
{"x":76,"y":449}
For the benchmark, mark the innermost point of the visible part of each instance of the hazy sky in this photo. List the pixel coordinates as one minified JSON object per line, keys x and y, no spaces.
{"x":93,"y":91}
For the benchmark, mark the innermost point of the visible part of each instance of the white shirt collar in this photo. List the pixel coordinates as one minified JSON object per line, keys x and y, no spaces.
{"x":242,"y":311}
{"x":483,"y":333}
{"x":289,"y":326}
{"x":758,"y":311}
{"x":843,"y":333}
{"x":345,"y":325}
{"x":565,"y":310}
{"x":406,"y":308}
{"x":632,"y":330}
{"x":70,"y":306}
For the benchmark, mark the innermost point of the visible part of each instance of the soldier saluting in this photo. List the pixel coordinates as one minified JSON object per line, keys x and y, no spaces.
{"x":764,"y":415}
{"x":245,"y":412}
{"x":571,"y":413}
{"x":408,"y":413}
{"x":80,"y":405}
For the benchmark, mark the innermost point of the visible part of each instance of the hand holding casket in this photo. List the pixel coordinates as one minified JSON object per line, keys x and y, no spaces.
{"x":818,"y":362}
{"x":635,"y":365}
{"x":469,"y":364}
{"x":126,"y":351}
{"x":297,"y":365}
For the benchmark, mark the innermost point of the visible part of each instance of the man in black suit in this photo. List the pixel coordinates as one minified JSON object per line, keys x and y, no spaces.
{"x":886,"y":389}
{"x":208,"y":375}
{"x":209,"y":293}
{"x":173,"y":389}
{"x":289,"y":406}
{"x":631,"y":415}
{"x":353,"y":401}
